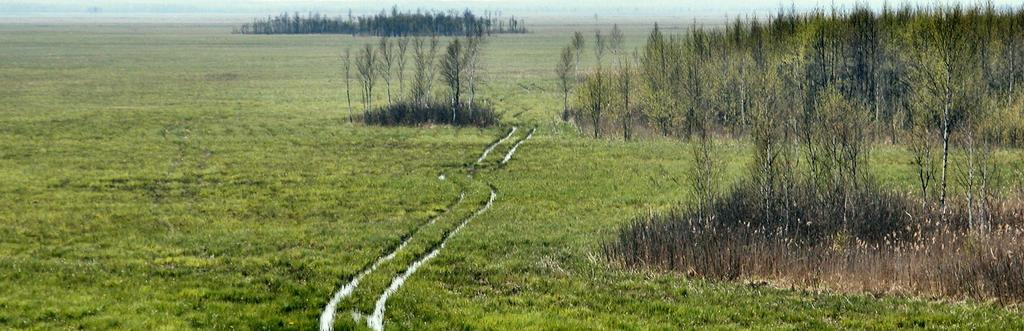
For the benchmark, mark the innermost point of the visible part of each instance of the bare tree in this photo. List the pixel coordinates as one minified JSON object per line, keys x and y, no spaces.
{"x":565,"y":78}
{"x":616,"y":40}
{"x":659,"y":76}
{"x":435,"y":46}
{"x":472,"y":63}
{"x":419,"y":53}
{"x":366,"y":64}
{"x":387,"y":60}
{"x":839,"y":141}
{"x":578,"y":43}
{"x":704,"y":174}
{"x":922,"y":149}
{"x":403,"y":48}
{"x":453,"y":68}
{"x":346,"y":60}
{"x":944,"y":71}
{"x":739,"y":76}
{"x":766,"y":137}
{"x":594,"y":98}
{"x":423,"y":58}
{"x":625,"y":89}
{"x":600,"y":46}
{"x":978,"y":177}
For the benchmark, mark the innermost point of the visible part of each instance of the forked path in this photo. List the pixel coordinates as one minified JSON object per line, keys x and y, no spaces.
{"x":376,"y":320}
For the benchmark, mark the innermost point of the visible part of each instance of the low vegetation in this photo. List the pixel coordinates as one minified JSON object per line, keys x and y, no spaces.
{"x":411,"y":114}
{"x":888,"y":244}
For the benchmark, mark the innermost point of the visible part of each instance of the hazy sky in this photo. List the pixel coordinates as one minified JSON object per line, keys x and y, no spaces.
{"x":514,"y":7}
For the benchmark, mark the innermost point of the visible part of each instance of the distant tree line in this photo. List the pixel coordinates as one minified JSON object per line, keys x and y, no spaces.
{"x":391,"y":24}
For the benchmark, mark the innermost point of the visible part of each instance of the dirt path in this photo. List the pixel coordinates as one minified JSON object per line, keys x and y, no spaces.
{"x":327,"y":316}
{"x":495,"y":144}
{"x":516,"y":146}
{"x":376,"y":321}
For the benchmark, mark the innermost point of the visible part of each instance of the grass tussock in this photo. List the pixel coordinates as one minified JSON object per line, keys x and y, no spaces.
{"x":412,"y":114}
{"x":890,"y":243}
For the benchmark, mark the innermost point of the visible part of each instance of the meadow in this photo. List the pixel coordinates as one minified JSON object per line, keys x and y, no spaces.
{"x":177,"y":176}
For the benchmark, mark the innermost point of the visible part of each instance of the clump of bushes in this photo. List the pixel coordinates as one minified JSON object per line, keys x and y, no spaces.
{"x":412,"y":114}
{"x":870,"y":240}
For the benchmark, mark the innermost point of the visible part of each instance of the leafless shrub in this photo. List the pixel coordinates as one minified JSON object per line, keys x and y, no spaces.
{"x":892,"y":244}
{"x":407,"y":113}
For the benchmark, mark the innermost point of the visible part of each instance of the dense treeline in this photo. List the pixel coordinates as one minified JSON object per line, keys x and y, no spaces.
{"x":392,"y":24}
{"x":813,"y":93}
{"x":902,"y":68}
{"x":936,"y":79}
{"x":458,"y":66}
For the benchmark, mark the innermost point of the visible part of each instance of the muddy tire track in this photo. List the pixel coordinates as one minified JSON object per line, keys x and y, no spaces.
{"x":376,"y":320}
{"x":490,"y":148}
{"x":329,"y":312}
{"x":512,"y":151}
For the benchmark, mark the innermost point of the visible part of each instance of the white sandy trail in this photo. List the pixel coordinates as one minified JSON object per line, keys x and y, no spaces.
{"x":495,"y":144}
{"x":376,"y":321}
{"x":327,"y":317}
{"x":514,"y":148}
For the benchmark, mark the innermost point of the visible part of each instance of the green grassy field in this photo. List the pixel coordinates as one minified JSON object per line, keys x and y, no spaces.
{"x":181,"y":177}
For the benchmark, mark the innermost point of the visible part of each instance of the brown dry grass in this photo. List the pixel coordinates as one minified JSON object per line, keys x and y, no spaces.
{"x":914,"y":253}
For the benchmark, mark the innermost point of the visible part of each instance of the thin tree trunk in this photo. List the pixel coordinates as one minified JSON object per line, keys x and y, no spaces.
{"x":565,"y":105}
{"x":878,"y":123}
{"x":892,"y":129}
{"x":626,"y":118}
{"x":348,"y":97}
{"x":366,"y":100}
{"x":456,"y":101}
{"x":472,"y":93}
{"x":743,"y":96}
{"x":576,"y":70}
{"x":945,"y":147}
{"x":970,"y":188}
{"x":1012,"y":71}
